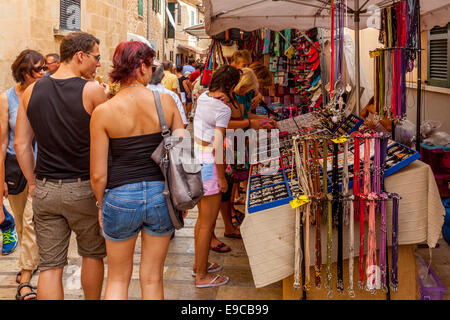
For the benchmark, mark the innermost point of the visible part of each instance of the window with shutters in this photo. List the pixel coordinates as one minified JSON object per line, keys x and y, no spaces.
{"x":438,"y":56}
{"x":170,"y":28}
{"x":156,"y":5}
{"x":192,"y":16}
{"x":141,"y":8}
{"x":70,"y":15}
{"x":179,"y":13}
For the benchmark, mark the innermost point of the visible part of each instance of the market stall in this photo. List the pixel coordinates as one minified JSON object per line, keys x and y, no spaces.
{"x":329,"y":205}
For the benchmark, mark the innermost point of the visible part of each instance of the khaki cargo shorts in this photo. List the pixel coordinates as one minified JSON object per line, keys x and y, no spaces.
{"x":59,"y":208}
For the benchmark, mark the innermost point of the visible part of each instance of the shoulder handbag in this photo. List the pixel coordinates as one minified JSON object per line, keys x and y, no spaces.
{"x":14,"y":177}
{"x":182,"y":173}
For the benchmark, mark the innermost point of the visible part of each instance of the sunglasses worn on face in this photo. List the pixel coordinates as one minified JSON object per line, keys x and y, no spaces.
{"x":96,"y":57}
{"x":40,"y":68}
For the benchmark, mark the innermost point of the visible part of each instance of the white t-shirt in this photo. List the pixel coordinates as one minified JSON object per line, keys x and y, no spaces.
{"x":159,"y":87}
{"x":210,"y":113}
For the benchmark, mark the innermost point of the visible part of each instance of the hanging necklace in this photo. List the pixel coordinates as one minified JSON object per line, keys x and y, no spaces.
{"x":131,"y":85}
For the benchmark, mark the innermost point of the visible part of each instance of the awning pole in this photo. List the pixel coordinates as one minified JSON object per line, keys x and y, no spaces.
{"x":419,"y":78}
{"x":357,"y":57}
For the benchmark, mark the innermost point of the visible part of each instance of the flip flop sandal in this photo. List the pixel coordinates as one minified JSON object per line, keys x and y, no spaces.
{"x":23,"y":285}
{"x":210,"y":269}
{"x":219,"y":247}
{"x":212,"y":283}
{"x":233,"y":235}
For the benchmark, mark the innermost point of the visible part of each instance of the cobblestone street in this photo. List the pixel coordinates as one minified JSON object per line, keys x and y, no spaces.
{"x":178,"y":281}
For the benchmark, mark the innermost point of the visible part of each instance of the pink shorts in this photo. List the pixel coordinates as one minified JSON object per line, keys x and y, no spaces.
{"x":209,"y":171}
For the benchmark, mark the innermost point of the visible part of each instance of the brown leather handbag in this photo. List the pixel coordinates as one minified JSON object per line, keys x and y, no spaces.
{"x":182,"y":172}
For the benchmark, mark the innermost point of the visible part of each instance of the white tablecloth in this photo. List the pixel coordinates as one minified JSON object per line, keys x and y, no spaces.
{"x":269,"y":235}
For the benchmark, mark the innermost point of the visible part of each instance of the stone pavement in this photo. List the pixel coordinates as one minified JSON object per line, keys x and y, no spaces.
{"x":178,"y":282}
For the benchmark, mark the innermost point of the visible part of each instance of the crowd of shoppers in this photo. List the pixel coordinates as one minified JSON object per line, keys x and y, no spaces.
{"x":82,"y":163}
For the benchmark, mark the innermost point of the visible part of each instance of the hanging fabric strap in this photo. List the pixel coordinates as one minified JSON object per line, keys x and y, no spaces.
{"x":371,"y":258}
{"x":338,"y":209}
{"x":329,"y":213}
{"x":332,"y":48}
{"x":383,"y":231}
{"x":298,"y":249}
{"x":318,"y":214}
{"x":349,"y":205}
{"x":394,"y":269}
{"x":307,"y":281}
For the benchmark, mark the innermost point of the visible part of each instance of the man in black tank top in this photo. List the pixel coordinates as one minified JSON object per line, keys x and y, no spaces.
{"x":57,"y":111}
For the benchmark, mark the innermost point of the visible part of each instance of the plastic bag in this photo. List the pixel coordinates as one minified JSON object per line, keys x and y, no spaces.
{"x":439,"y":138}
{"x":405,"y":132}
{"x":428,"y":127}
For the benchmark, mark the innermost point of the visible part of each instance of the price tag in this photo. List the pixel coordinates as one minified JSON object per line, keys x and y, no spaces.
{"x":339,"y":140}
{"x":298,"y":202}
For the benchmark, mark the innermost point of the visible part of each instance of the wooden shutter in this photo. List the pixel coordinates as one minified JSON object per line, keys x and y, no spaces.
{"x":70,"y":15}
{"x":438,"y":57}
{"x":179,"y":13}
{"x":141,"y":8}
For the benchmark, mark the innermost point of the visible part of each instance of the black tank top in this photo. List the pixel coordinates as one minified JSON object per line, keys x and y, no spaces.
{"x":180,"y":83}
{"x":130,"y":160}
{"x":61,"y":127}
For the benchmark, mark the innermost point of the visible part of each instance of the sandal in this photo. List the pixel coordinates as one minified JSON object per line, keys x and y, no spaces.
{"x":210,"y":268}
{"x":237,"y":217}
{"x":219,"y":247}
{"x":239,"y":201}
{"x":213,"y":282}
{"x":233,"y":235}
{"x":23,"y":285}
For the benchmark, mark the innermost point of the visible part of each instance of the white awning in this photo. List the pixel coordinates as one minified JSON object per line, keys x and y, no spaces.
{"x":193,"y":48}
{"x":198,"y":31}
{"x":250,"y":15}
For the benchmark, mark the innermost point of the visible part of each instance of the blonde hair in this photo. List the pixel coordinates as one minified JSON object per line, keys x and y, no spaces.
{"x":248,"y":80}
{"x":262,"y":73}
{"x":242,"y":55}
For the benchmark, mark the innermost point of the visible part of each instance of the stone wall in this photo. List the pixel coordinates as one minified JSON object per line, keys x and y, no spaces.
{"x":106,"y":19}
{"x":137,"y":24}
{"x":25,"y":24}
{"x":34,"y":24}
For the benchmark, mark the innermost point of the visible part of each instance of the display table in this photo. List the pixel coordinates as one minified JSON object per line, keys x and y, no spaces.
{"x":269,"y":235}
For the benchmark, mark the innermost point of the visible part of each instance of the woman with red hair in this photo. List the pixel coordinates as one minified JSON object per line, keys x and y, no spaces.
{"x":129,"y":187}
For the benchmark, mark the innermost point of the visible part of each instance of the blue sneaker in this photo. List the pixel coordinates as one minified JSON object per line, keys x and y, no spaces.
{"x":10,"y":241}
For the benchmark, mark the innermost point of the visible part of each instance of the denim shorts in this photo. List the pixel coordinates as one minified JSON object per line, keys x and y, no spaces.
{"x":129,"y":208}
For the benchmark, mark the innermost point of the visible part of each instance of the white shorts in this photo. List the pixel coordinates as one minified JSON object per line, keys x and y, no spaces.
{"x":183,"y":97}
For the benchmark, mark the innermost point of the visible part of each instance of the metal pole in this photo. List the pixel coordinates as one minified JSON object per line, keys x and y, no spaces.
{"x":419,"y":78}
{"x":357,"y":57}
{"x":163,"y":58}
{"x":149,"y":11}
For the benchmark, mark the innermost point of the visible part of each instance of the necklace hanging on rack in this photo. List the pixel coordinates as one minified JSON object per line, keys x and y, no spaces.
{"x":337,"y":106}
